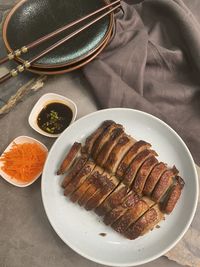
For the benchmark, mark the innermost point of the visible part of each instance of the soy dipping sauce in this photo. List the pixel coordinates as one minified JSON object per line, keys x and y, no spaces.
{"x":54,"y":118}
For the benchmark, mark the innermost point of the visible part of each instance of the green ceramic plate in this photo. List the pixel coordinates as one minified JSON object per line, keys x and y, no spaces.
{"x":71,"y":67}
{"x":32,"y":19}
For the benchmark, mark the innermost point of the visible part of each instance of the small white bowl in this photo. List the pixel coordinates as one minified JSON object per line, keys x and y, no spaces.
{"x":20,"y":140}
{"x":41,"y":103}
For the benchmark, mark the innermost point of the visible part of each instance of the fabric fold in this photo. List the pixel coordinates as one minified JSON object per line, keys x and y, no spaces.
{"x":152,"y":64}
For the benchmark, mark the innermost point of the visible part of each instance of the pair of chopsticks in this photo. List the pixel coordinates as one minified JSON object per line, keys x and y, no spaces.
{"x":27,"y":64}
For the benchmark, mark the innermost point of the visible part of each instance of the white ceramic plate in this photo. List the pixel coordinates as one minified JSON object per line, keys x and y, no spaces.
{"x":80,"y":229}
{"x":20,"y":140}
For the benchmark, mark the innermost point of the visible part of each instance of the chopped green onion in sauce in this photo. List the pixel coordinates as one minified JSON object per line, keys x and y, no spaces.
{"x":54,"y":118}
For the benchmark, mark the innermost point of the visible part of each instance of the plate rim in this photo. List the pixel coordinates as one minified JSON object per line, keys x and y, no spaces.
{"x":74,"y":66}
{"x":156,"y":256}
{"x":49,"y":66}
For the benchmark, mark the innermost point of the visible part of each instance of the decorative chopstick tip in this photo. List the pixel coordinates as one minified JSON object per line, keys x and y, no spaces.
{"x":17,"y":53}
{"x":20,"y":68}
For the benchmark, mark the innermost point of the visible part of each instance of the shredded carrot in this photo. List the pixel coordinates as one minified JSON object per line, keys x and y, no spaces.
{"x":24,"y":162}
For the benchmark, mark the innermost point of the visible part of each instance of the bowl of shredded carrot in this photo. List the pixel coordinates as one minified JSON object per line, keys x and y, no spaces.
{"x":23,"y":161}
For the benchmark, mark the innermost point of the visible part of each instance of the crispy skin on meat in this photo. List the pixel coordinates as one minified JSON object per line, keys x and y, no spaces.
{"x":102,"y":193}
{"x":95,"y":183}
{"x":130,"y":200}
{"x":77,"y":166}
{"x":90,"y":140}
{"x":103,"y":138}
{"x":166,"y":180}
{"x":79,"y":178}
{"x":83,"y":186}
{"x":118,"y":152}
{"x":69,"y":158}
{"x":108,"y":146}
{"x":131,"y":170}
{"x":173,"y":196}
{"x":145,"y":223}
{"x":135,"y":149}
{"x":153,"y":178}
{"x":132,"y":215}
{"x":135,"y":165}
{"x":143,"y":174}
{"x":87,"y":189}
{"x":113,"y":200}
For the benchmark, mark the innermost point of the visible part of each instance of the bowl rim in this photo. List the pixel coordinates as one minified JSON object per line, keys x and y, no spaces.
{"x":7,"y":177}
{"x":41,"y":103}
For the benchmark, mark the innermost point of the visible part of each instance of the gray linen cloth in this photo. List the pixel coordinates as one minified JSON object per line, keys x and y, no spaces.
{"x":153,"y":64}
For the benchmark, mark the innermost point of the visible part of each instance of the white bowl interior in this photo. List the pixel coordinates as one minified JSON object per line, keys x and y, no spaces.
{"x":20,"y":140}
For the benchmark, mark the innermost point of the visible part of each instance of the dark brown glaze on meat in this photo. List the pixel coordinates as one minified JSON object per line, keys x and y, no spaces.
{"x":102,"y":193}
{"x":130,"y":200}
{"x":132,"y":215}
{"x":90,"y":140}
{"x":173,"y":196}
{"x":96,"y":182}
{"x":103,"y":138}
{"x":145,"y":223}
{"x":164,"y":183}
{"x":83,"y":186}
{"x":77,"y":166}
{"x":69,"y":158}
{"x":112,"y":176}
{"x":130,"y":155}
{"x":108,"y":146}
{"x":118,"y":152}
{"x":143,"y":174}
{"x":135,"y":165}
{"x":153,"y":178}
{"x":113,"y":200}
{"x":79,"y":178}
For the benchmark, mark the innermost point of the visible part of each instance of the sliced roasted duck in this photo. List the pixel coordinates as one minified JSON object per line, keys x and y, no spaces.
{"x":90,"y":140}
{"x":145,"y":223}
{"x":121,"y":179}
{"x":126,"y":160}
{"x":173,"y":196}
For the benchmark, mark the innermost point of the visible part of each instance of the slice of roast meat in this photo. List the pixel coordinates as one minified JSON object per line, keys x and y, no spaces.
{"x":102,"y":193}
{"x":153,"y":178}
{"x":79,"y":178}
{"x":145,"y":223}
{"x":143,"y":174}
{"x":118,"y":152}
{"x":164,"y":183}
{"x":173,"y":196}
{"x":135,"y":165}
{"x":113,"y":200}
{"x":130,"y":200}
{"x":81,"y":188}
{"x":69,"y":158}
{"x":108,"y":146}
{"x":103,"y":138}
{"x":90,"y":140}
{"x":129,"y":156}
{"x":132,"y":215}
{"x":77,"y":166}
